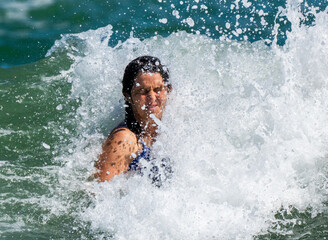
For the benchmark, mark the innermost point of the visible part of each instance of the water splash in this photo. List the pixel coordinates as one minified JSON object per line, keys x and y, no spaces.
{"x":244,"y":127}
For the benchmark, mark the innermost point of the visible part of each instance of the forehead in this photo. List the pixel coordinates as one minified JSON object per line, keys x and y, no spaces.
{"x":148,"y":80}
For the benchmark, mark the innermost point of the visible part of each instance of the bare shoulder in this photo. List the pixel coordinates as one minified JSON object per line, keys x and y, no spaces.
{"x":121,"y":135}
{"x":120,"y":144}
{"x":117,"y":153}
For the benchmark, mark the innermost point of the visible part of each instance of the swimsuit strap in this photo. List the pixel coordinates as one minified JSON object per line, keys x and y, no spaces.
{"x":145,"y":154}
{"x":120,"y":127}
{"x":122,"y":124}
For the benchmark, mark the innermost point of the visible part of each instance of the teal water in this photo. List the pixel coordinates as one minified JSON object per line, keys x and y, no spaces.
{"x":246,"y":125}
{"x":30,"y":25}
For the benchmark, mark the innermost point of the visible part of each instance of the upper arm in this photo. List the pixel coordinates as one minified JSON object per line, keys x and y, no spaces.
{"x":116,"y":154}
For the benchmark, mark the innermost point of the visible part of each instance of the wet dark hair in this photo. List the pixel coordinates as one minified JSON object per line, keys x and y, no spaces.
{"x":143,"y":64}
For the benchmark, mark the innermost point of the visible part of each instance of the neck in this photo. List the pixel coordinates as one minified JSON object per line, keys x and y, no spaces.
{"x":149,"y":133}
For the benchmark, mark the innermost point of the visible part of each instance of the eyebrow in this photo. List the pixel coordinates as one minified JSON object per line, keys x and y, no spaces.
{"x":139,"y":86}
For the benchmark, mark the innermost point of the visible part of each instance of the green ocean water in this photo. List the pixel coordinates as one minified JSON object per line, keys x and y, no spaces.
{"x":45,"y":126}
{"x":29,"y":28}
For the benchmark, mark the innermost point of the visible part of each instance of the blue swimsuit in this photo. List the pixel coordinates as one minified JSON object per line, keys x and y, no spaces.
{"x":158,"y":172}
{"x":145,"y":154}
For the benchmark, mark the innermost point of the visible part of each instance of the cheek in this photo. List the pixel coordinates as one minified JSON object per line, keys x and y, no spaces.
{"x":142,"y":99}
{"x":140,"y":103}
{"x":163,"y":96}
{"x":137,"y":99}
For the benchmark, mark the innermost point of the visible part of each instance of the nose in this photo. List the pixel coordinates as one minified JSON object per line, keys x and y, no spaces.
{"x":152,"y":95}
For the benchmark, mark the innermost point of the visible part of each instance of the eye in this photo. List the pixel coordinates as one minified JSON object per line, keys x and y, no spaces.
{"x":141,"y":91}
{"x":159,"y":89}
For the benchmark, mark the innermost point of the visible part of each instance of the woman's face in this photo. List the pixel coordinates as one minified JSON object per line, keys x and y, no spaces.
{"x":148,"y":96}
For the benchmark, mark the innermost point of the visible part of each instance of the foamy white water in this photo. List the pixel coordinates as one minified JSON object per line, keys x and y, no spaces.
{"x":245,"y":128}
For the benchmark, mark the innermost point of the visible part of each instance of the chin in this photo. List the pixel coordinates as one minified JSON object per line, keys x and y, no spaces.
{"x":157,"y":115}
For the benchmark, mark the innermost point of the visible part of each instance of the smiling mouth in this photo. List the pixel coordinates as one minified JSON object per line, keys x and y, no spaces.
{"x":152,"y":107}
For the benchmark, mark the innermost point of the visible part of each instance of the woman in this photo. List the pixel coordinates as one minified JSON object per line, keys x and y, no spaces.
{"x":145,"y":88}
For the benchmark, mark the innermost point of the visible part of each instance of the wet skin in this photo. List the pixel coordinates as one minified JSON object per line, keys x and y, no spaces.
{"x":148,"y":98}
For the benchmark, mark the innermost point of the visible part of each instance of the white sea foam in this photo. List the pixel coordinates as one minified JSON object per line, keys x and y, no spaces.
{"x":4,"y":132}
{"x":245,"y":128}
